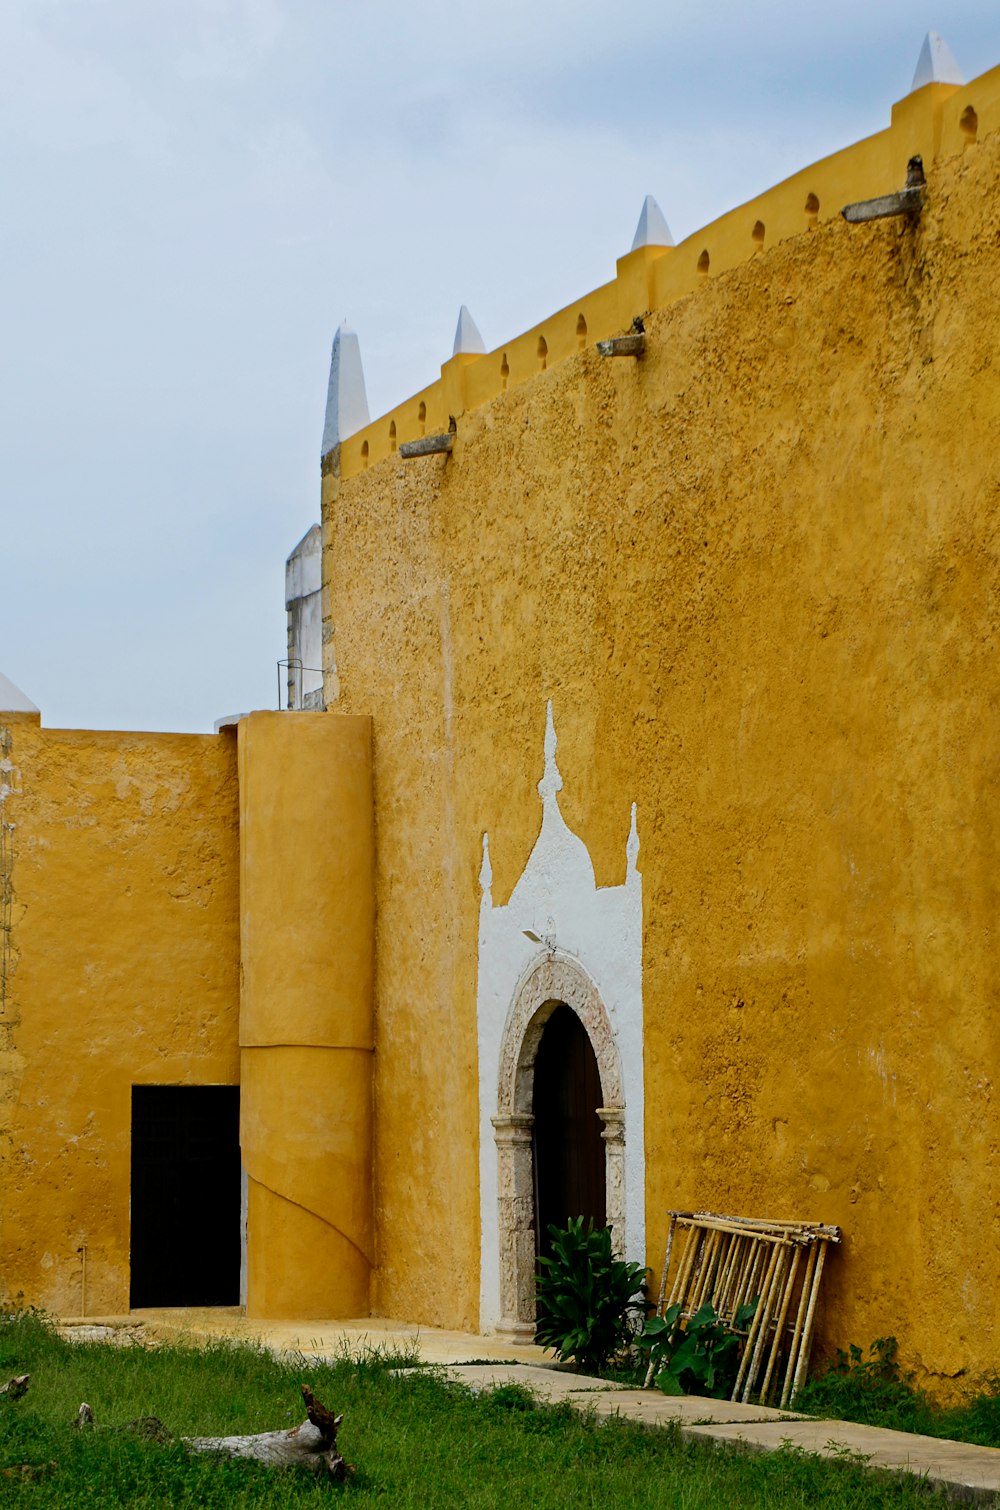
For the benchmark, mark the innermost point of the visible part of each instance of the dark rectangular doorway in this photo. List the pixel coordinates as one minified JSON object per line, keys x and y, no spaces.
{"x":186,"y":1199}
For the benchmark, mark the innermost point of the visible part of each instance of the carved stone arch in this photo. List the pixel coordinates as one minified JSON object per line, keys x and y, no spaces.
{"x":555,"y":978}
{"x":550,"y":981}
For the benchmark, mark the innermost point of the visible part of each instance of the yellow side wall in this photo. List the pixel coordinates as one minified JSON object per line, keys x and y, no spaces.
{"x":306,"y":1031}
{"x":757,"y":571}
{"x":120,"y":967}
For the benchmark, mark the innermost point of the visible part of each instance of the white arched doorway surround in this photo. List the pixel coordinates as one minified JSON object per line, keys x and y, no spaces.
{"x":550,"y":981}
{"x":559,"y":938}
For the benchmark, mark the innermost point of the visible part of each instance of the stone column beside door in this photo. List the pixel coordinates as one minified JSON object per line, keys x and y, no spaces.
{"x":515,"y":1189}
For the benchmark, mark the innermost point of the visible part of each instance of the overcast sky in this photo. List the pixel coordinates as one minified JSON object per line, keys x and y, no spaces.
{"x":196,"y":192}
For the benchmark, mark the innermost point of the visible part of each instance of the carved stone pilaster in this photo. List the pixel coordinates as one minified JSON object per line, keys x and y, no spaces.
{"x":515,"y":1201}
{"x":613,"y":1118}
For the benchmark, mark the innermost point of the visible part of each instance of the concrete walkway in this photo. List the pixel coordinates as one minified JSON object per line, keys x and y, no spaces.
{"x":968,"y":1473}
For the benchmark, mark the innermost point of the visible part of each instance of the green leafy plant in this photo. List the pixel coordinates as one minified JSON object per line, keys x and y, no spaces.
{"x":589,"y":1301}
{"x":700,"y":1358}
{"x":873,"y":1390}
{"x":977,"y":1418}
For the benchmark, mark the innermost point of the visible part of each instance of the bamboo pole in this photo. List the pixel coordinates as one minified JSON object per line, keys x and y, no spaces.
{"x":756,"y":1229}
{"x":780,"y":1304}
{"x":760,"y":1269}
{"x":663,"y":1290}
{"x":793,"y":1351}
{"x":691,"y":1252}
{"x":779,"y":1327}
{"x":807,"y":1231}
{"x":770,"y":1299}
{"x":707,"y":1270}
{"x":666,"y":1263}
{"x":682,"y":1263}
{"x":728,"y":1271}
{"x":764,"y":1258}
{"x":699,"y":1269}
{"x":704,"y":1238}
{"x":724,"y":1273}
{"x":718,"y":1258}
{"x":807,"y":1336}
{"x":755,"y":1328}
{"x":758,"y":1221}
{"x":682,"y":1259}
{"x":758,"y":1260}
{"x":742,"y":1277}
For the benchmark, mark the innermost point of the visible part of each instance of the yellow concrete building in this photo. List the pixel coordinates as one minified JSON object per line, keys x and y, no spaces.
{"x":178,"y":922}
{"x":661,"y":741}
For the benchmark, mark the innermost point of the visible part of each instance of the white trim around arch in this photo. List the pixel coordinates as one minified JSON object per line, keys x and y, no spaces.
{"x":559,"y":938}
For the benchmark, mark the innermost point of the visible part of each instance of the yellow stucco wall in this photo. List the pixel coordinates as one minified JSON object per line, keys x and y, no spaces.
{"x":306,"y":1031}
{"x":757,"y":572}
{"x":120,"y":967}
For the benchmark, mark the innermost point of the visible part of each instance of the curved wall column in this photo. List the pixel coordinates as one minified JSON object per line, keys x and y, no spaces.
{"x":307,"y":915}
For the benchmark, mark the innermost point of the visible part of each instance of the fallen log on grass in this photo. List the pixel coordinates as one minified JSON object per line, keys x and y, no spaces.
{"x":312,"y":1445}
{"x":16,"y":1387}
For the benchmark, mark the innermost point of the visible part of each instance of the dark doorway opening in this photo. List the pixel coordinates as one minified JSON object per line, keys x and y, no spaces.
{"x":186,"y":1195}
{"x":568,"y":1147}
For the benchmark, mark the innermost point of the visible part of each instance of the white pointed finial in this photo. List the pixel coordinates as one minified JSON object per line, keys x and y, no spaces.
{"x":468,"y":341}
{"x":551,"y":782}
{"x":486,"y":870}
{"x":652,"y":229}
{"x":632,"y":847}
{"x":936,"y":64}
{"x":346,"y":399}
{"x":12,"y":699}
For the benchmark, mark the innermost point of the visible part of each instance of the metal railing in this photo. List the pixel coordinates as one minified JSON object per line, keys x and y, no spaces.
{"x":290,"y":684}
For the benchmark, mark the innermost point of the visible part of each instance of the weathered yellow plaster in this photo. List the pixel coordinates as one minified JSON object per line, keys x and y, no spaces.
{"x":306,"y":1032}
{"x":122,"y":969}
{"x":757,"y":571}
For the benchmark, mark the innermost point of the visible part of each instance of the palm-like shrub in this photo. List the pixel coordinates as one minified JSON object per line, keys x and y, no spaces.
{"x":589,"y":1301}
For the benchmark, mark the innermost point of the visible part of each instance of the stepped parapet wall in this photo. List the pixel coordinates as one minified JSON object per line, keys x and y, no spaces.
{"x":936,"y":120}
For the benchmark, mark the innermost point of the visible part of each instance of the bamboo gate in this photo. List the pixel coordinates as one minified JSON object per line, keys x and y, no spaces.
{"x":731,"y":1260}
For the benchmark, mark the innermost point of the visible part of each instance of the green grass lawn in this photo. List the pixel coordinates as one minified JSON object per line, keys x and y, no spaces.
{"x":415,"y":1440}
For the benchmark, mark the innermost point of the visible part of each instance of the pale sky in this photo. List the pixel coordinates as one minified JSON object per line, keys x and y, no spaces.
{"x":195,"y":194}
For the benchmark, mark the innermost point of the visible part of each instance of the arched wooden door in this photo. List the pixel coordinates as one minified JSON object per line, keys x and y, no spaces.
{"x":569,"y":1153}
